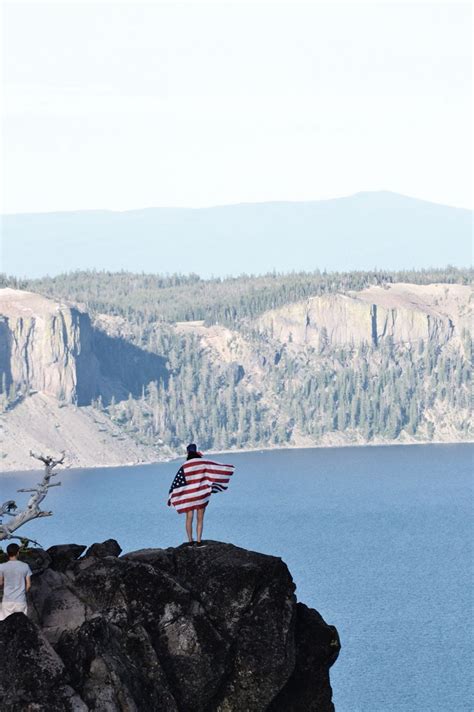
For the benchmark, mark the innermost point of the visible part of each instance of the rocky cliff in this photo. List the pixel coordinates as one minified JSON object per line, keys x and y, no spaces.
{"x":216,"y":629}
{"x":46,"y":346}
{"x":52,"y":347}
{"x":407,"y":313}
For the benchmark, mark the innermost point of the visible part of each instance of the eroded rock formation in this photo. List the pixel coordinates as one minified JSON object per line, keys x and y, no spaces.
{"x":53,"y":348}
{"x":186,"y":629}
{"x":46,"y":346}
{"x":405,"y":312}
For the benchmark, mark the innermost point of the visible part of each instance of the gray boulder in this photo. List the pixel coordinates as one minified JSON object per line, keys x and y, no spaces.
{"x":213,"y":629}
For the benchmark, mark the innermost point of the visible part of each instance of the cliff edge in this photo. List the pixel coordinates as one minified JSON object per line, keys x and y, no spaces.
{"x":215,"y":629}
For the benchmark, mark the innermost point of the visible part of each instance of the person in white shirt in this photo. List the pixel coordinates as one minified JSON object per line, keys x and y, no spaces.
{"x":16,"y":579}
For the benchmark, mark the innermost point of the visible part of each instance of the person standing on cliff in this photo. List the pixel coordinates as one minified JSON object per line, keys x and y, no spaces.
{"x":16,"y":579}
{"x":191,"y":489}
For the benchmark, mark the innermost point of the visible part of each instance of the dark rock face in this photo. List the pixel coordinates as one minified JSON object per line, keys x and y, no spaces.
{"x":214,"y":629}
{"x":317,"y":648}
{"x":32,"y":676}
{"x":37,"y":559}
{"x":62,"y":554}
{"x":110,"y":547}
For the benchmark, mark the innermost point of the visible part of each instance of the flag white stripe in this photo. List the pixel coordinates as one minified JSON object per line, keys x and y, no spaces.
{"x":185,"y":496}
{"x":203,"y":473}
{"x":195,"y":482}
{"x":184,"y":488}
{"x":183,"y":505}
{"x":209,"y":467}
{"x":196,"y":462}
{"x":205,"y":476}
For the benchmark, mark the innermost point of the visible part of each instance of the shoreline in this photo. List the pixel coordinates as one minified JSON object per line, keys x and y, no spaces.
{"x":165,"y":460}
{"x":344,"y":445}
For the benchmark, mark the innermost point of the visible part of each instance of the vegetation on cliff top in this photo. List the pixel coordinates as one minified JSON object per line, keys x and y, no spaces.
{"x":148,"y":298}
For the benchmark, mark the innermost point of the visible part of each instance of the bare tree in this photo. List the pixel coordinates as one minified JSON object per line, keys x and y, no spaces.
{"x":32,"y":510}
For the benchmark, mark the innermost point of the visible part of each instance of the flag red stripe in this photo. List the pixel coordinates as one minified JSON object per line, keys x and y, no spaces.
{"x":185,"y":490}
{"x":188,"y":509}
{"x":205,"y":470}
{"x":193,"y":501}
{"x":212,"y":463}
{"x":186,"y":498}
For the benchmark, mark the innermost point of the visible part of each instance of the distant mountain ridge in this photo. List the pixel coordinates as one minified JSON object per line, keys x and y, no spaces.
{"x":359,"y":232}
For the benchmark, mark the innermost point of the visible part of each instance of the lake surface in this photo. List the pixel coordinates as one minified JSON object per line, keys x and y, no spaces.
{"x":379,"y":540}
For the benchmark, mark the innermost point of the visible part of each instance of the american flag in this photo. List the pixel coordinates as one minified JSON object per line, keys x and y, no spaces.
{"x":195,"y":481}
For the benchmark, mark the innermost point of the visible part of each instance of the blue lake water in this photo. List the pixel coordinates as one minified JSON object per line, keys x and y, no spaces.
{"x":378,"y":539}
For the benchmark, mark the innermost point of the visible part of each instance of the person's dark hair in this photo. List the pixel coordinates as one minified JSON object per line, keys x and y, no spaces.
{"x":192,"y":451}
{"x":13,"y":549}
{"x":191,"y":455}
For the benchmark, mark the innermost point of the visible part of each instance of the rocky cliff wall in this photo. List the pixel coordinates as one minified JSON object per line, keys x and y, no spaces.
{"x":216,"y":629}
{"x":47,"y":346}
{"x":53,"y":348}
{"x":407,"y":313}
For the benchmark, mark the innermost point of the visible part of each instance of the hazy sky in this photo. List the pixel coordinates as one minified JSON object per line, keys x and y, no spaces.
{"x":124,"y":105}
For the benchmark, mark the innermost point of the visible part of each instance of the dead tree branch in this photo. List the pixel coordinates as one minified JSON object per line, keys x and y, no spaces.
{"x":32,"y":510}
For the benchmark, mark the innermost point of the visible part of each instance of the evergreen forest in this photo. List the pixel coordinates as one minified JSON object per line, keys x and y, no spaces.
{"x":281,"y":394}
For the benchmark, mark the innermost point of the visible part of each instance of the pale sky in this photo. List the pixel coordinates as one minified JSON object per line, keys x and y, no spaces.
{"x":129,"y":105}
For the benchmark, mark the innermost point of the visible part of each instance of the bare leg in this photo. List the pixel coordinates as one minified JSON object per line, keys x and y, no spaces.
{"x":200,"y":523}
{"x":189,"y":524}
